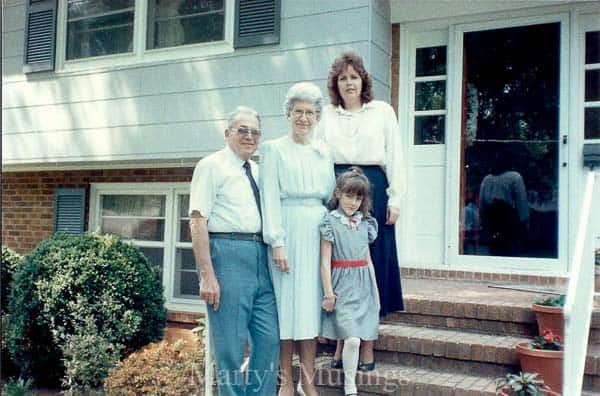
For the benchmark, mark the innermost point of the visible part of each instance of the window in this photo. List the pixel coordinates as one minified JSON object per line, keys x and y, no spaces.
{"x":96,"y":28}
{"x":172,"y":23}
{"x":430,"y":95}
{"x":592,"y":85}
{"x":153,"y":217}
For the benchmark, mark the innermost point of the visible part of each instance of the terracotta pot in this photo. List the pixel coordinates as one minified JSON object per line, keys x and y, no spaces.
{"x":506,"y":392}
{"x":549,"y":364}
{"x":550,"y":318}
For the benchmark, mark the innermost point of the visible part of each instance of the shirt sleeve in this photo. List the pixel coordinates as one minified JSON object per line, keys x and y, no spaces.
{"x":326,"y":229}
{"x":270,"y":196}
{"x":394,"y":157}
{"x":203,"y":189}
{"x":372,"y":229}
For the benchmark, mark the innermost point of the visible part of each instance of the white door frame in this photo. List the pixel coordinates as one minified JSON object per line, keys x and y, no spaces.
{"x":491,"y":263}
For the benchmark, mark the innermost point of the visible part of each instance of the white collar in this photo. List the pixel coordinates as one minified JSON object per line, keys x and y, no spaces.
{"x":365,"y":106}
{"x":344,"y":219}
{"x":233,"y":157}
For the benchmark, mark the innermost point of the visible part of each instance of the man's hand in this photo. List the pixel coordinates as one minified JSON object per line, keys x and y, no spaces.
{"x":280,"y":258}
{"x":328,"y":303}
{"x":210,"y":290}
{"x":392,"y":215}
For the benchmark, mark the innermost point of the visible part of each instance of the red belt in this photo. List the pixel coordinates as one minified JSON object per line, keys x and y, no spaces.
{"x":348,"y":263}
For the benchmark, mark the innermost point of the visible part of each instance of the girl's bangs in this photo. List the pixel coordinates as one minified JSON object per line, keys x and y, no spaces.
{"x":355,"y":185}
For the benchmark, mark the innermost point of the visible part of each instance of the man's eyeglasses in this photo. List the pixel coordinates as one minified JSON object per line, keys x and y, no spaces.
{"x":310,"y":115}
{"x":247,"y":131}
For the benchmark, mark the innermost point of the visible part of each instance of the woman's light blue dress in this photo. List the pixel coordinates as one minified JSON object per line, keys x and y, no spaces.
{"x":295,"y":183}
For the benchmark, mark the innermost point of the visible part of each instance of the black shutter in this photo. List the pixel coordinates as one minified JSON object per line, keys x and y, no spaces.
{"x":257,"y":22}
{"x":69,"y":210}
{"x":40,"y":36}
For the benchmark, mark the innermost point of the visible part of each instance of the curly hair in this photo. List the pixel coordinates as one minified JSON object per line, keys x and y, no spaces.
{"x":353,"y":181}
{"x":303,"y":92}
{"x":338,"y":66}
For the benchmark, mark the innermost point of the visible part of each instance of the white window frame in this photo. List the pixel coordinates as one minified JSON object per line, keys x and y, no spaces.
{"x":139,"y":54}
{"x":170,"y":191}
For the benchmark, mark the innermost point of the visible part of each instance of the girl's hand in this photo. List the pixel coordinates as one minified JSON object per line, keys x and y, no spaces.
{"x":328,"y":303}
{"x":392,"y":215}
{"x":280,"y":258}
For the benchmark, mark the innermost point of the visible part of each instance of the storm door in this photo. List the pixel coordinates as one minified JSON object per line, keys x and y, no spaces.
{"x":511,"y":145}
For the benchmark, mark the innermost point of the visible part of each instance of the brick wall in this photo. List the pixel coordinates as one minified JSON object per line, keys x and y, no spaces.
{"x":28,"y":197}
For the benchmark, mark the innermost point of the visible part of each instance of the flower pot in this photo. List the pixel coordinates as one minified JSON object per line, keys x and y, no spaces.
{"x":550,"y":318}
{"x":549,"y":364}
{"x":507,"y":392}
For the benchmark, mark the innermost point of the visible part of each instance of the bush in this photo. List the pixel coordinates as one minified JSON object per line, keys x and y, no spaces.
{"x":10,"y":260}
{"x":68,"y":282}
{"x":17,"y":387}
{"x":161,"y":369}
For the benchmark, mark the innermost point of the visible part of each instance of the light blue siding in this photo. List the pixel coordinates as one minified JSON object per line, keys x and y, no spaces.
{"x":177,"y":109}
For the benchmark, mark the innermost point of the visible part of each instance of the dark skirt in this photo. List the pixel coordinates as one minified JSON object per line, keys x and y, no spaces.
{"x":383,"y":250}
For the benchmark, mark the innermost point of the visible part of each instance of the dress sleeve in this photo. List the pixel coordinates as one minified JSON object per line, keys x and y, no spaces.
{"x":270,"y":196}
{"x":394,"y":157}
{"x":372,"y":228}
{"x":326,"y":229}
{"x":203,"y":189}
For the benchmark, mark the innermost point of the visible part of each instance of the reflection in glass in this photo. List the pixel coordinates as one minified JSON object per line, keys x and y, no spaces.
{"x":430,"y":95}
{"x":133,"y":205}
{"x":186,"y":277}
{"x":592,"y":85}
{"x":179,"y":22}
{"x":592,"y":47}
{"x":96,"y":28}
{"x":155,"y":257}
{"x":132,"y":228}
{"x":184,"y":205}
{"x":509,"y":178}
{"x":592,"y":123}
{"x":431,"y":61}
{"x":429,"y":129}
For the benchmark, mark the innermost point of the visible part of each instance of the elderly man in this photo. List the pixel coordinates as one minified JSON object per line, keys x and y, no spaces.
{"x":232,"y":260}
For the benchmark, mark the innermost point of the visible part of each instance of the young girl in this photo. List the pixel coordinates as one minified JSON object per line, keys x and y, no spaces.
{"x":350,"y":297}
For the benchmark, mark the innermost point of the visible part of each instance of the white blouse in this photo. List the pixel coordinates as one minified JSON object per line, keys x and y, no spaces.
{"x":369,"y":136}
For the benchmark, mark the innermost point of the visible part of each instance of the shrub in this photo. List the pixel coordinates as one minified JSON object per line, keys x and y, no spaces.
{"x":10,"y":260}
{"x":17,"y":387}
{"x":161,"y":369}
{"x":68,"y":281}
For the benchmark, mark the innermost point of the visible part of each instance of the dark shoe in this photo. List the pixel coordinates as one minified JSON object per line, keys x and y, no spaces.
{"x":366,"y":366}
{"x":336,"y":364}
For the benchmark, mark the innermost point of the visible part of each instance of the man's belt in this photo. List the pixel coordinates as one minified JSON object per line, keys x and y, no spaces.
{"x":238,"y":236}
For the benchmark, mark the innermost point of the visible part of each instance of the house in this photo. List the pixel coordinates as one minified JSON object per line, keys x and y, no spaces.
{"x":107,"y":106}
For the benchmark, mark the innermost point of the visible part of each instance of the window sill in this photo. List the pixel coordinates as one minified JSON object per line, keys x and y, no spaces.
{"x":153,"y":57}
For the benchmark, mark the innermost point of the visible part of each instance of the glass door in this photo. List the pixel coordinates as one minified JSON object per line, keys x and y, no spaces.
{"x":510,"y":144}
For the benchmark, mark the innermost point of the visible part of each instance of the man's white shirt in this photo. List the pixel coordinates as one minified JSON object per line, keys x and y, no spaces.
{"x":221,"y":192}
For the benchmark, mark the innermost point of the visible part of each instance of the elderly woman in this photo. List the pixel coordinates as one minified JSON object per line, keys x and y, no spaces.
{"x":364,"y":132}
{"x":296,"y":180}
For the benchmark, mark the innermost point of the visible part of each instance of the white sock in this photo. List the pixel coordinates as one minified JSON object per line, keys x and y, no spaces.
{"x":350,"y":360}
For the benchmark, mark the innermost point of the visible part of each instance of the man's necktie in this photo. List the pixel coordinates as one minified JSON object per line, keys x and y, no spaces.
{"x":253,"y":185}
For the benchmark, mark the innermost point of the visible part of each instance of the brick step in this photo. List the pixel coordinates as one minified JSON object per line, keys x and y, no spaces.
{"x":391,"y":379}
{"x":459,"y":351}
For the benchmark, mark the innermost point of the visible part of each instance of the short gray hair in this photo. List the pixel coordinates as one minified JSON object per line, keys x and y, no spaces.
{"x":241,"y":110}
{"x":303,"y":92}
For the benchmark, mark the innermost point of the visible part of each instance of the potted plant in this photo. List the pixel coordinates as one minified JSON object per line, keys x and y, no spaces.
{"x":549,"y":313}
{"x":523,"y":384}
{"x":543,"y":355}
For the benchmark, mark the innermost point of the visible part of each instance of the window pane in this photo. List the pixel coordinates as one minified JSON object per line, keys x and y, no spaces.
{"x":509,"y":160}
{"x":592,"y":47}
{"x":186,"y":278}
{"x":83,"y":8}
{"x":155,"y":257}
{"x":429,"y":129}
{"x":184,"y":205}
{"x":431,"y":61}
{"x":173,"y":23}
{"x":430,"y":95}
{"x":592,"y":123}
{"x":134,"y":228}
{"x":133,"y":205}
{"x":592,"y":85}
{"x":98,"y":28}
